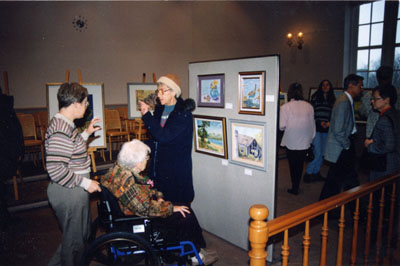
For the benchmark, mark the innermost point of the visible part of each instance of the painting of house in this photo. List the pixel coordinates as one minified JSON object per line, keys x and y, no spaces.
{"x":248,"y":143}
{"x":248,"y":147}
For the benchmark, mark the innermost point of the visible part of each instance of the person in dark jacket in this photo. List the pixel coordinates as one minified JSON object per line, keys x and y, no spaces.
{"x":12,"y":143}
{"x":385,"y":137}
{"x":171,"y":128}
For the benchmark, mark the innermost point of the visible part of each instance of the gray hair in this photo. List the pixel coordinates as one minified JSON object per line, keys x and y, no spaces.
{"x":133,"y":152}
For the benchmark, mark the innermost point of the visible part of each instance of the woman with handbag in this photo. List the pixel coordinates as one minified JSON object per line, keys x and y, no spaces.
{"x":384,"y":146}
{"x":297,"y":120}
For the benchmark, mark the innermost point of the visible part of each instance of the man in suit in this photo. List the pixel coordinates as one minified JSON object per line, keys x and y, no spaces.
{"x":340,"y":150}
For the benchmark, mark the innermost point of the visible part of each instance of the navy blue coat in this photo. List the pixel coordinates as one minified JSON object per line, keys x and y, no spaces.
{"x":171,"y":151}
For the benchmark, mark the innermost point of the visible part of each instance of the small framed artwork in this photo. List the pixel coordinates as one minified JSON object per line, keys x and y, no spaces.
{"x":252,"y":92}
{"x":211,"y":91}
{"x":138,"y":92}
{"x":210,"y":135}
{"x":248,"y":143}
{"x":311,"y":93}
{"x":282,"y":98}
{"x":94,"y":109}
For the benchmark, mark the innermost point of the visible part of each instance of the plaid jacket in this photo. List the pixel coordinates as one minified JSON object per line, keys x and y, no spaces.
{"x":134,"y":195}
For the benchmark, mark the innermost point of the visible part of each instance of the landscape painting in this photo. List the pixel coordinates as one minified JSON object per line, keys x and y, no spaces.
{"x":210,"y":135}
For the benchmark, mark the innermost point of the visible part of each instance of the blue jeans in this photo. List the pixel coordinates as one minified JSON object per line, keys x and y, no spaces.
{"x":319,"y":149}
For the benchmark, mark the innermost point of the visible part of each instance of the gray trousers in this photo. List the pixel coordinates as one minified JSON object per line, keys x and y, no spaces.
{"x":71,"y":206}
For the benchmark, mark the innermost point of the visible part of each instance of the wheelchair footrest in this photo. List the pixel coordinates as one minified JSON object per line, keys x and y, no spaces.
{"x":181,"y":247}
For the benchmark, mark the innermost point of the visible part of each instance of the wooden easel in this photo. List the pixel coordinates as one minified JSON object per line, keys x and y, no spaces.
{"x":91,"y":150}
{"x":5,"y":77}
{"x":144,"y":78}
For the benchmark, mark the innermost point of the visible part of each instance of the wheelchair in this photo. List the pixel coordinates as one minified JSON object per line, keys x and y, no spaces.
{"x":133,"y":240}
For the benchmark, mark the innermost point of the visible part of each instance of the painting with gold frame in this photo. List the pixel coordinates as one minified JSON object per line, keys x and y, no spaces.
{"x":210,"y":135}
{"x":251,"y":95}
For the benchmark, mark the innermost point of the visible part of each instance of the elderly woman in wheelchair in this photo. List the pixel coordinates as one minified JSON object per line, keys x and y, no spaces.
{"x":142,"y":228}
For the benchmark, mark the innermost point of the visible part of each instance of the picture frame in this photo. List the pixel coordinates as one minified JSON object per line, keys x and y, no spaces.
{"x":211,"y":91}
{"x":138,"y":92}
{"x":248,"y":143}
{"x":282,"y":98}
{"x":251,"y":95}
{"x":95,"y":109}
{"x":311,"y":92}
{"x":210,"y":135}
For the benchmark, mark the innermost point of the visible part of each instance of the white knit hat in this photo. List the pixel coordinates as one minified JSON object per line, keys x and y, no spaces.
{"x":173,"y":82}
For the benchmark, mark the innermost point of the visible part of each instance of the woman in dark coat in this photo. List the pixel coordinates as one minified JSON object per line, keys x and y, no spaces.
{"x":385,"y":135}
{"x":171,"y":127}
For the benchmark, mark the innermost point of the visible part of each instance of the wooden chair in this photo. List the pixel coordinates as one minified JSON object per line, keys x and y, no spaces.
{"x":41,"y":122}
{"x":138,"y":129}
{"x":123,"y":112}
{"x":31,"y":141}
{"x":15,"y":183}
{"x":114,"y":130}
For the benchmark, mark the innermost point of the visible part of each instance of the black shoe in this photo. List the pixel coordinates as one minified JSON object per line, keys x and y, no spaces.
{"x":308,"y":178}
{"x":319,"y":177}
{"x":293,"y":191}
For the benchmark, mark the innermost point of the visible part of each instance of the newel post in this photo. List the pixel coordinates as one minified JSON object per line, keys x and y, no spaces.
{"x":258,"y":235}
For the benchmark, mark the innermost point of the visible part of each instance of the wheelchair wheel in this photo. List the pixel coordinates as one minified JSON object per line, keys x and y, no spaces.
{"x":120,"y":248}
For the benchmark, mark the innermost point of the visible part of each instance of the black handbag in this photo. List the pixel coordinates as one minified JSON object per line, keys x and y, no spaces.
{"x":373,"y":161}
{"x":310,"y":154}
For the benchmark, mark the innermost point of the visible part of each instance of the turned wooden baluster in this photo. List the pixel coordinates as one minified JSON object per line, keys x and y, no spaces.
{"x":356,"y":218}
{"x":391,"y":217}
{"x":258,"y":235}
{"x":388,"y":254}
{"x":368,"y":231}
{"x":380,"y":222}
{"x":285,"y":248}
{"x":339,"y":256}
{"x":324,"y":240}
{"x":306,"y":243}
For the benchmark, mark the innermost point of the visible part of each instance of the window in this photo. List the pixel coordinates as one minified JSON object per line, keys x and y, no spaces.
{"x":370,"y":41}
{"x":396,"y":63}
{"x":373,"y":39}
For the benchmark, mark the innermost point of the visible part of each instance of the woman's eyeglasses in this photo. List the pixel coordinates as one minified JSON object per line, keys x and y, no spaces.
{"x":376,"y":98}
{"x":161,"y":91}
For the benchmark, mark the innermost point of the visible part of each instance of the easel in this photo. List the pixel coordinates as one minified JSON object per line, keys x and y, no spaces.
{"x":144,"y":78}
{"x":91,"y":150}
{"x":5,"y":77}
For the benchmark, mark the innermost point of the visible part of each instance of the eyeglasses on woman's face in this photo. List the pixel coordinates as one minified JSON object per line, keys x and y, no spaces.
{"x":376,"y":98}
{"x":162,"y":89}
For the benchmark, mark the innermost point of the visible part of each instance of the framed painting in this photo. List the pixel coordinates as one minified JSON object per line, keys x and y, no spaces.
{"x":211,"y":91}
{"x":251,"y":92}
{"x":95,"y":109}
{"x":311,"y":93}
{"x":210,"y":135}
{"x":282,"y":98}
{"x":138,"y":92}
{"x":248,"y":143}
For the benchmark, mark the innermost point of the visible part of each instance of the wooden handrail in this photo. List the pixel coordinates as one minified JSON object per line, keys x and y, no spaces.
{"x":292,"y":219}
{"x":299,"y":216}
